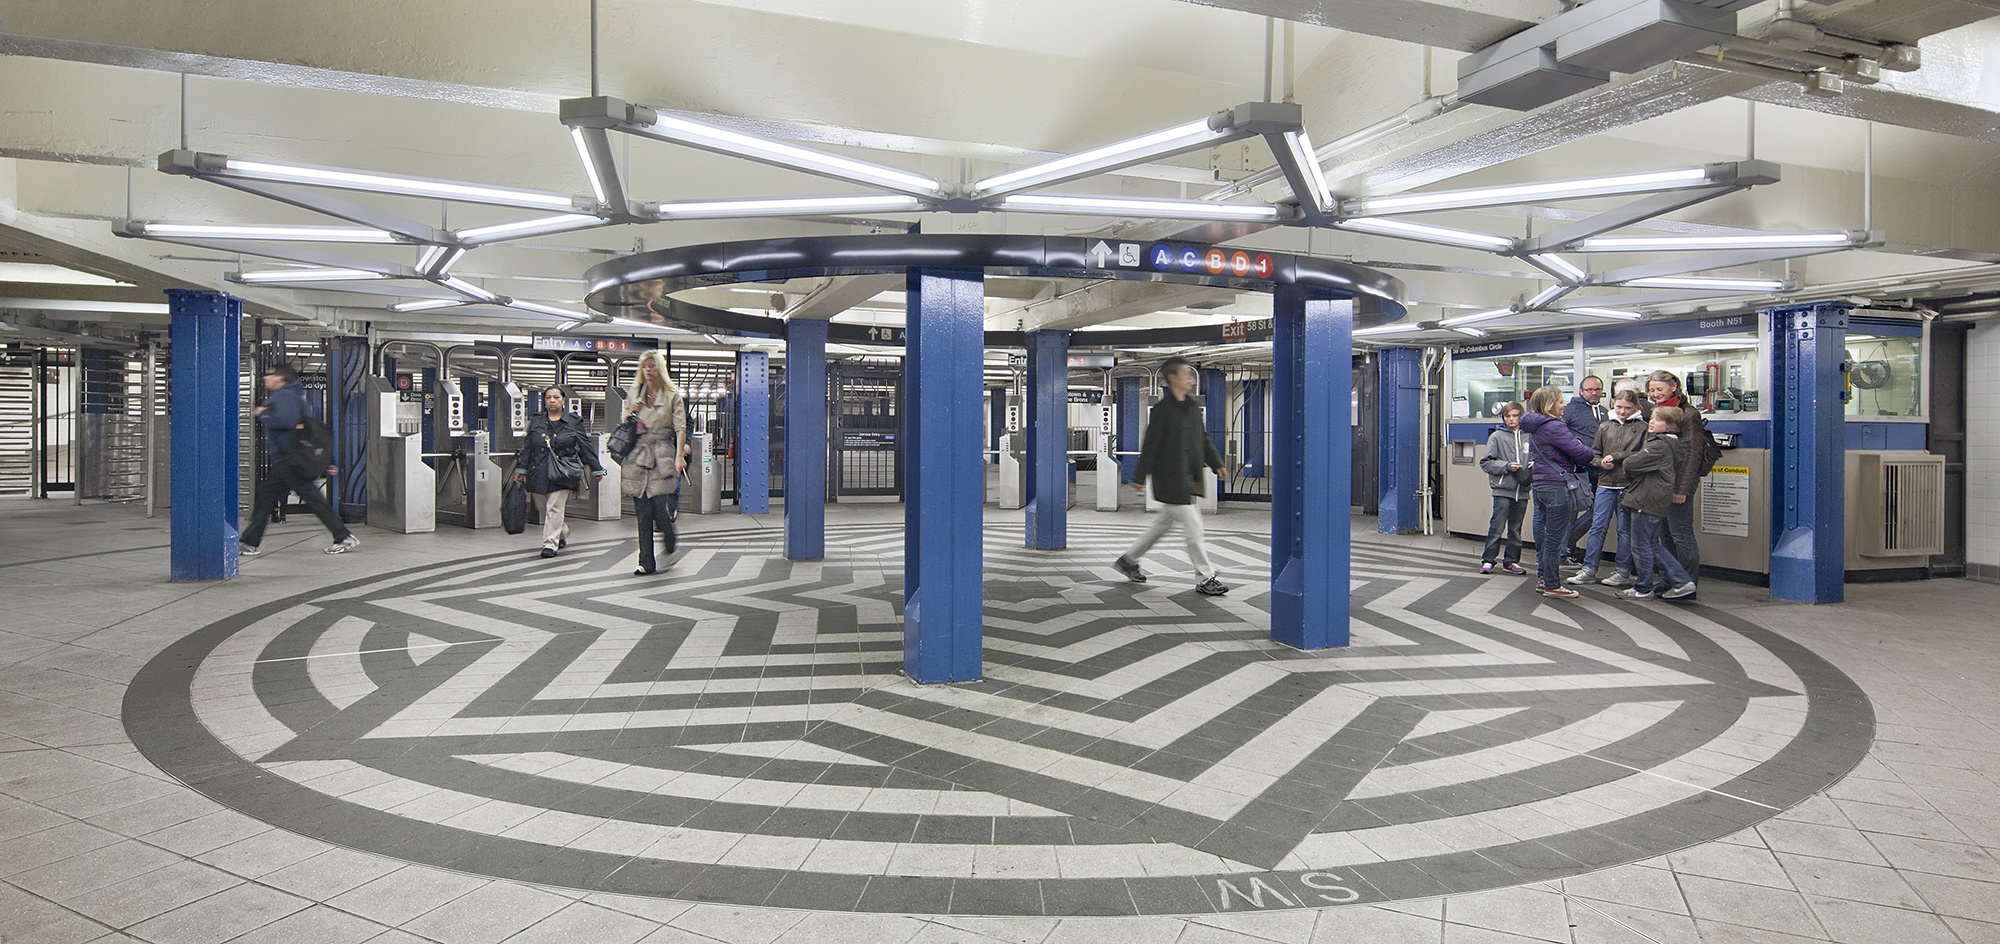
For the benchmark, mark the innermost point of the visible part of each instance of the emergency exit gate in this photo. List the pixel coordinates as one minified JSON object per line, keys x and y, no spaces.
{"x":865,"y":399}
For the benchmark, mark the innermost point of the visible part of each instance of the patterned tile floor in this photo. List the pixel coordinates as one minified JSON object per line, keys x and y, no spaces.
{"x":443,"y":737}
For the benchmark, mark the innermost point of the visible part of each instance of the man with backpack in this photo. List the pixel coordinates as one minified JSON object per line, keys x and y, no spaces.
{"x":1664,"y":389}
{"x":300,"y":451}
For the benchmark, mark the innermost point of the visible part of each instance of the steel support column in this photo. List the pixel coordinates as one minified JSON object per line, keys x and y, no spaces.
{"x":805,"y":439}
{"x":996,"y":422}
{"x":1400,"y":397}
{"x":1128,"y":428}
{"x":347,"y":418}
{"x":1808,"y":461}
{"x":1215,"y":400}
{"x":1048,"y":440}
{"x":1311,"y":453}
{"x":753,"y":432}
{"x":206,"y":395}
{"x":1256,"y":394}
{"x":943,"y":373}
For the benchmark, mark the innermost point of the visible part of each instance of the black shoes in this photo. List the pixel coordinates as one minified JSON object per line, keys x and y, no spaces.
{"x":1129,"y":569}
{"x":1211,"y":588}
{"x":562,"y":543}
{"x":548,"y":552}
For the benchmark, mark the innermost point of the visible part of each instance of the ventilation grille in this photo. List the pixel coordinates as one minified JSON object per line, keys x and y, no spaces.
{"x":1902,"y":510}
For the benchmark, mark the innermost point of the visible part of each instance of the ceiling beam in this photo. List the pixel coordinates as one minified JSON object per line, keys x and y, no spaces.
{"x":1464,"y":26}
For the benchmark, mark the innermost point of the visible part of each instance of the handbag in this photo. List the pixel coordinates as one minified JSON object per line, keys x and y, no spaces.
{"x":623,"y":439}
{"x":514,"y":508}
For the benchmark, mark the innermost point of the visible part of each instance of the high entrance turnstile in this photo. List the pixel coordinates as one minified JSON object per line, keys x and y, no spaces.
{"x":470,"y":474}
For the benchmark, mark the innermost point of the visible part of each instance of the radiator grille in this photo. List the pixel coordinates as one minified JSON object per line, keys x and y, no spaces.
{"x":1904,"y":510}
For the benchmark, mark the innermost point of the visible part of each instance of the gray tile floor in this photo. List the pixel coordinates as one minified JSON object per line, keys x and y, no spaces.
{"x":413,"y":683}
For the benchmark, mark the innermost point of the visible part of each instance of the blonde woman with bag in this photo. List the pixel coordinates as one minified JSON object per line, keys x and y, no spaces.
{"x":652,"y":471}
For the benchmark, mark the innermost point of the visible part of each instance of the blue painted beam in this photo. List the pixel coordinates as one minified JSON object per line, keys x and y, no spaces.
{"x":805,"y":439}
{"x":1256,"y":428}
{"x":943,"y":377}
{"x":1808,"y":459}
{"x":1215,"y":398}
{"x":996,"y":422}
{"x":1128,"y":428}
{"x":1312,"y":452}
{"x":1401,"y":439}
{"x":205,"y":403}
{"x":347,"y":417}
{"x":1048,"y":441}
{"x":753,"y":432}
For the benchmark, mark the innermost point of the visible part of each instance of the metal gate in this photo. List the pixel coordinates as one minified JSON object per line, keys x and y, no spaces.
{"x":1245,"y":402}
{"x":17,"y":422}
{"x":867,"y":429}
{"x":112,"y":427}
{"x":55,"y":420}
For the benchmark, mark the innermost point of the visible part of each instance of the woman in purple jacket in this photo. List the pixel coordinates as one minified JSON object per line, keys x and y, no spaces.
{"x":1559,"y":456}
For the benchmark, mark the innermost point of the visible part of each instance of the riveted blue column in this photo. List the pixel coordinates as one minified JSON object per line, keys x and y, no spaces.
{"x":1128,"y":427}
{"x":1312,"y":453}
{"x":1397,"y":406}
{"x":753,"y":432}
{"x":996,"y":421}
{"x":1256,"y":395}
{"x":429,"y":379}
{"x":943,"y":376}
{"x":206,"y":403}
{"x":1048,"y":440}
{"x":805,"y":439}
{"x":1809,"y":459}
{"x":347,"y":418}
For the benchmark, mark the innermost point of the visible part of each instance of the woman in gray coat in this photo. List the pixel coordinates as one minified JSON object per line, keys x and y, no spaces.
{"x":652,"y":471}
{"x":1508,"y":460}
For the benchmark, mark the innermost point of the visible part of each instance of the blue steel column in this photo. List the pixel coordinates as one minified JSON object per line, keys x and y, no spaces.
{"x":1215,"y":397}
{"x":429,"y":379}
{"x":1048,"y":440}
{"x":347,"y":416}
{"x":753,"y":432}
{"x":1397,"y":406}
{"x":1312,"y":459}
{"x":996,"y":423}
{"x":943,"y":375}
{"x":207,"y":349}
{"x":805,"y":439}
{"x":1809,"y":460}
{"x":1128,"y":428}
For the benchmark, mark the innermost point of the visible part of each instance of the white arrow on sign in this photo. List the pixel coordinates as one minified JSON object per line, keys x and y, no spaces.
{"x":1100,"y":254}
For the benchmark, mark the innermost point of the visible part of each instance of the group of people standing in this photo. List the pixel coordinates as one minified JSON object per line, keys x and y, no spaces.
{"x":1587,"y":468}
{"x":559,"y":450}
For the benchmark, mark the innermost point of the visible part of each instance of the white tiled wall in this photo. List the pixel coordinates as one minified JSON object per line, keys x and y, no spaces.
{"x":1982,"y":457}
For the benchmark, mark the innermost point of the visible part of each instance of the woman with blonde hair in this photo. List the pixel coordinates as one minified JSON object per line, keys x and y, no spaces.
{"x":652,"y":471}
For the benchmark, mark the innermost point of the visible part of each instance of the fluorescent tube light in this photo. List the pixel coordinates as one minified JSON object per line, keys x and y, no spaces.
{"x":1704,"y":282}
{"x":468,"y":289}
{"x":1146,"y":147}
{"x":40,"y":273}
{"x":1564,"y":266}
{"x":294,"y":234}
{"x":1426,"y":233}
{"x":1470,"y":332}
{"x":1380,"y":330}
{"x":427,"y":304}
{"x":590,"y":168}
{"x":308,"y":275}
{"x":1758,"y":241}
{"x":541,"y":309}
{"x":341,"y":179}
{"x":1526,"y":193}
{"x":1550,"y":294}
{"x":540,"y":226}
{"x":1151,"y":209}
{"x":791,"y":206}
{"x":441,"y":266}
{"x":1301,"y":150}
{"x":1476,"y":317}
{"x":429,"y":257}
{"x":1614,"y":314}
{"x":711,"y":138}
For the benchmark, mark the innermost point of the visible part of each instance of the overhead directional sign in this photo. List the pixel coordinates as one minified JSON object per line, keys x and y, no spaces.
{"x":1183,"y":258}
{"x":568,"y":342}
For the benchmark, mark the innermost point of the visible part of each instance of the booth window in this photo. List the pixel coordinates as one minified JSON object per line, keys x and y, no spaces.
{"x":1722,"y":372}
{"x":1885,"y":374}
{"x":1481,"y":384}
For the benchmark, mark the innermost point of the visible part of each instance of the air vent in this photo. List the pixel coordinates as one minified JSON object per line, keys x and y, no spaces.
{"x":1901,"y":497}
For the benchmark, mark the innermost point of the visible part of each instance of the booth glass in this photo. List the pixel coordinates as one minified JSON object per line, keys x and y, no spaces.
{"x":1480,"y":385}
{"x":1723,"y":373}
{"x":1887,"y":372}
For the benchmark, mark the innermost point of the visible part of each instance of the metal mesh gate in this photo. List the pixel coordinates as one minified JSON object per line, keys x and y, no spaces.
{"x":17,"y":422}
{"x":866,"y":428}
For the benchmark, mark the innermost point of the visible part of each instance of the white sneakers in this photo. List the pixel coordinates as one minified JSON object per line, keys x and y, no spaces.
{"x":345,"y":544}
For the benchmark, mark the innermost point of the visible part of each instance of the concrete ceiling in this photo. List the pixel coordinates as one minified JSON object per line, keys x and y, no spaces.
{"x":91,"y":91}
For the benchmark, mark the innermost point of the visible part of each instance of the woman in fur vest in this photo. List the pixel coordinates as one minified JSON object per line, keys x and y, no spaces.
{"x":652,"y":472}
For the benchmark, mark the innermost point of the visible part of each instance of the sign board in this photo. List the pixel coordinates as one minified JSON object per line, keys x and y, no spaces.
{"x":1075,"y":360}
{"x":1104,"y":421}
{"x":1190,"y":258}
{"x":1725,"y":501}
{"x":884,"y":335}
{"x":588,"y":345}
{"x":1727,"y":323}
{"x":1013,"y":418}
{"x":1086,"y":396}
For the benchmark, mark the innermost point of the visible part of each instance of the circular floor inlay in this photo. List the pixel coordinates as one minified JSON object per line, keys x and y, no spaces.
{"x":736,"y":730}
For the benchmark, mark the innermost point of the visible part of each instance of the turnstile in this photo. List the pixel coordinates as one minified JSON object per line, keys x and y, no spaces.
{"x":1013,"y":470}
{"x":702,"y":487}
{"x":470,"y":476}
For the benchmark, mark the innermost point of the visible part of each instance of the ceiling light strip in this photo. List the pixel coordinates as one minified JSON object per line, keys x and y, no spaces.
{"x":541,"y":309}
{"x":1614,"y":314}
{"x":293,"y":234}
{"x":764,"y":150}
{"x":266,"y":276}
{"x":1148,"y":147}
{"x":393,"y":184}
{"x":1706,"y":282}
{"x":1720,"y":243}
{"x":1476,"y":317}
{"x":1149,"y":209}
{"x":468,"y":289}
{"x":1560,"y":266}
{"x":793,"y":206}
{"x":1621,"y":184}
{"x":540,"y":226}
{"x":1426,"y":233}
{"x":427,"y":304}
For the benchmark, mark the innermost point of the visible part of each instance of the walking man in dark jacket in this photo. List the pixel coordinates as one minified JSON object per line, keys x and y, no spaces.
{"x":283,"y":411}
{"x":1175,"y":452}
